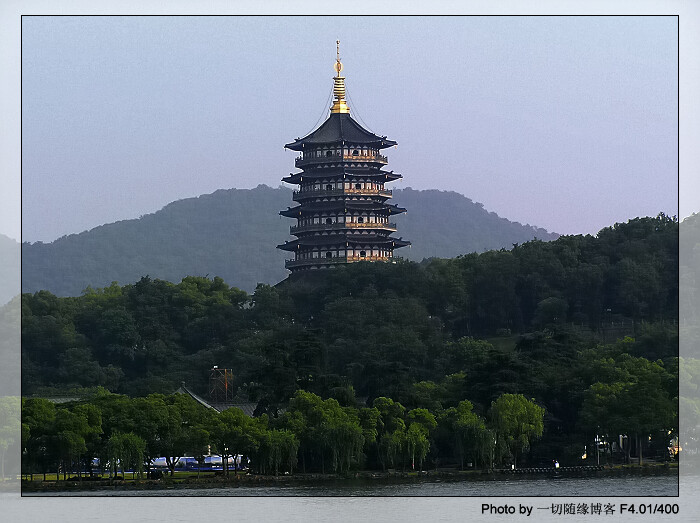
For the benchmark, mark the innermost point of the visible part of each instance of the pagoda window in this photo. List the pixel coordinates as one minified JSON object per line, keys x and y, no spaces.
{"x":329,"y":254}
{"x":358,"y":186}
{"x":329,"y":153}
{"x":360,"y":219}
{"x":329,"y":221}
{"x":362,"y":254}
{"x":356,"y":152}
{"x":329,"y":187}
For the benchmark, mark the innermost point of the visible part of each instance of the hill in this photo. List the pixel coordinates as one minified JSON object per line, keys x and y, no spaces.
{"x":232,"y":233}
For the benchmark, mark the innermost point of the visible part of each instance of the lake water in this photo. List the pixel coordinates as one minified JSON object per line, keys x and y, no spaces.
{"x":662,"y":485}
{"x":424,"y":502}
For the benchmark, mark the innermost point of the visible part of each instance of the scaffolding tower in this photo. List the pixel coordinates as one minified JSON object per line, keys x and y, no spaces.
{"x":221,"y":385}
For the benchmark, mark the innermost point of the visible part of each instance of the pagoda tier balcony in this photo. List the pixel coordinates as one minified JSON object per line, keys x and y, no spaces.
{"x":323,"y":193}
{"x":310,"y":262}
{"x":335,"y":226}
{"x":302,"y":161}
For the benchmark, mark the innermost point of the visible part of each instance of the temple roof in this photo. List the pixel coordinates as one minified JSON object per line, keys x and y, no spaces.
{"x":341,"y":205}
{"x":340,"y":128}
{"x":350,"y":238}
{"x":345,"y":172}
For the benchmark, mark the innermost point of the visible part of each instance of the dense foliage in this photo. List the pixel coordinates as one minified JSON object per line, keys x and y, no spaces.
{"x":220,"y":233}
{"x":581,"y":325}
{"x":313,"y":434}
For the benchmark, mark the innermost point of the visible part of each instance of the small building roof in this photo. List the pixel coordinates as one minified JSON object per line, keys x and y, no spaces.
{"x":247,"y":407}
{"x":184,"y":390}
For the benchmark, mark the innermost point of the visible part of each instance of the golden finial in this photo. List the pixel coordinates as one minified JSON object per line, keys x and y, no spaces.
{"x":338,"y":65}
{"x":339,"y":104}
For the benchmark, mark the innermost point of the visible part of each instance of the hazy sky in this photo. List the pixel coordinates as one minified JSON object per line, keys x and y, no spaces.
{"x":567,"y":123}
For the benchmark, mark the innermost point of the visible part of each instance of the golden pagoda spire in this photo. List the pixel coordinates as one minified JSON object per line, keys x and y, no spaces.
{"x":339,"y":104}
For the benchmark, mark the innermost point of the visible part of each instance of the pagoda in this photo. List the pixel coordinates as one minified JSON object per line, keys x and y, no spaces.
{"x":342,"y":213}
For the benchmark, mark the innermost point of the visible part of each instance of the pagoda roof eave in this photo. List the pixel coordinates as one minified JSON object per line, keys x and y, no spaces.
{"x":337,"y":205}
{"x":339,"y":239}
{"x":296,"y":177}
{"x":301,"y":146}
{"x":340,"y":128}
{"x":292,"y":212}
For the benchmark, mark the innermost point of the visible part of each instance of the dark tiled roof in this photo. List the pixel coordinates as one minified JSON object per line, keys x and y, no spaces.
{"x":184,"y":390}
{"x":337,"y":173}
{"x":247,"y":407}
{"x":340,"y":239}
{"x":338,"y":128}
{"x":342,"y":205}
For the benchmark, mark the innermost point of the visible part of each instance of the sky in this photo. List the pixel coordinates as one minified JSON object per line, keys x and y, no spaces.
{"x":566,"y":123}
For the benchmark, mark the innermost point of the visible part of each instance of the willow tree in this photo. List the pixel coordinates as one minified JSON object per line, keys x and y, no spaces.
{"x":127,"y":450}
{"x":469,"y":433}
{"x":517,"y":421}
{"x":420,"y":423}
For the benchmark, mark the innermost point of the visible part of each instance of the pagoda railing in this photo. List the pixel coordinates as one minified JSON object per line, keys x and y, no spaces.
{"x":378,"y":192}
{"x":319,"y":193}
{"x":312,"y":227}
{"x":334,"y":260}
{"x":378,"y":158}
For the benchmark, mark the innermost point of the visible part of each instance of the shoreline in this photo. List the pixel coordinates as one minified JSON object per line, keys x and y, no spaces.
{"x":254,"y":480}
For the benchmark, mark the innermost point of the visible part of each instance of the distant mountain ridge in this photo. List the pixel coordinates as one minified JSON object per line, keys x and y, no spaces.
{"x":232,"y":233}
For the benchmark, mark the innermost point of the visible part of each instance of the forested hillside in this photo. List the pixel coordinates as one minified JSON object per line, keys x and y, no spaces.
{"x":233,"y":233}
{"x":585,"y":326}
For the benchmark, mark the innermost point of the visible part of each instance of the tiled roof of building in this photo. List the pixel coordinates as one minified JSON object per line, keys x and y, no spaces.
{"x":340,"y":128}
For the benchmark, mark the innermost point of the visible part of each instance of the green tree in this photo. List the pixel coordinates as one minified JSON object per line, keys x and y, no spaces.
{"x":635,"y":400}
{"x":126,"y":449}
{"x":280,"y":447}
{"x":469,"y":433}
{"x":10,"y":427}
{"x":325,"y":429}
{"x":516,"y":422}
{"x":74,"y":428}
{"x":39,"y":417}
{"x":236,"y":433}
{"x":392,"y":430}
